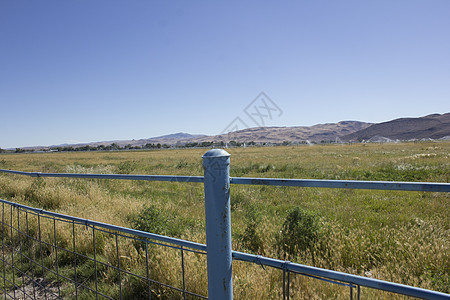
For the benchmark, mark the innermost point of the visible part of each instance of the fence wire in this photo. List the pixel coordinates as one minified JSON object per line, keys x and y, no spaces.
{"x":38,"y":263}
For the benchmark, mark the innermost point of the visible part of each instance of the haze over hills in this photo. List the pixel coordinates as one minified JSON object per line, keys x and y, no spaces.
{"x":435,"y":126}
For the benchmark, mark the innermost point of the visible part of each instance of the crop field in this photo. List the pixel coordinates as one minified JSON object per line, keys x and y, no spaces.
{"x":397,"y":236}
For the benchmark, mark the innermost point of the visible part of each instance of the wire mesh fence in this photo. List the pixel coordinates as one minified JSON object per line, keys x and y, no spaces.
{"x":39,"y":263}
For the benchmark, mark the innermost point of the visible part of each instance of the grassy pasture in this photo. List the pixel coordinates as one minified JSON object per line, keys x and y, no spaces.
{"x":397,"y":236}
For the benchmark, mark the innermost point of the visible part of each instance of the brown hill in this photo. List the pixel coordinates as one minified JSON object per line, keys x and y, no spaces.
{"x":316,"y":133}
{"x":433,"y":126}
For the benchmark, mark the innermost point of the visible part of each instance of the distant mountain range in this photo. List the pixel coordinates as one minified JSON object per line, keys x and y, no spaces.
{"x":435,"y":126}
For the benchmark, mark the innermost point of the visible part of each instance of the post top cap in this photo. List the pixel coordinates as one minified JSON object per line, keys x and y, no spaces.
{"x":216,"y":153}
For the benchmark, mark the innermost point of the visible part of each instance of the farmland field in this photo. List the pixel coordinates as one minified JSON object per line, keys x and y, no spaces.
{"x":397,"y":236}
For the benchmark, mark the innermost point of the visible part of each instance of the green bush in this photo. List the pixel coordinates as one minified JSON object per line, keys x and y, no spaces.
{"x":251,"y":239}
{"x":126,"y":167}
{"x":150,"y":219}
{"x":299,"y":232}
{"x":32,"y":192}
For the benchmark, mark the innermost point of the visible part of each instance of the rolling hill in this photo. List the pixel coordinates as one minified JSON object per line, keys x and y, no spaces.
{"x":433,"y":126}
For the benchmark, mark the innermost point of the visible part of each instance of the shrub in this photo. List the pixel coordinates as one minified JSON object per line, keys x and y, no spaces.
{"x":299,"y":232}
{"x":181,"y":164}
{"x":150,"y":219}
{"x":127,"y":167}
{"x":251,"y":239}
{"x":32,"y":192}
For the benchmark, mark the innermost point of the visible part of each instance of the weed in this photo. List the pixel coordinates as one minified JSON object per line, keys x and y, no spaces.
{"x":181,"y":164}
{"x":299,"y":232}
{"x":251,"y":239}
{"x":151,"y":219}
{"x":3,"y":163}
{"x":126,"y":167}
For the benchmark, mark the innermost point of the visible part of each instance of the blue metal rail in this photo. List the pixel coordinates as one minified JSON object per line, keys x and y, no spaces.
{"x":347,"y":184}
{"x":111,"y":176}
{"x":317,"y":183}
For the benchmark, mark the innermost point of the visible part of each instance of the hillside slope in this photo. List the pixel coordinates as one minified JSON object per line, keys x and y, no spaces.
{"x":433,"y":126}
{"x":316,"y":133}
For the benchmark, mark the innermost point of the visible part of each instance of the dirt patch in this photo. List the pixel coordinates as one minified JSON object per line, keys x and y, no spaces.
{"x":36,"y":289}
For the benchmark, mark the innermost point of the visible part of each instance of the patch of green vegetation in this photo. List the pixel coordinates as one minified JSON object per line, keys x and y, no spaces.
{"x":251,"y":238}
{"x":153,"y":220}
{"x":300,"y":230}
{"x":126,"y":167}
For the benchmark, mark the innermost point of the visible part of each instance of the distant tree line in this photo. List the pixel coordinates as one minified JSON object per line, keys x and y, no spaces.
{"x":150,"y":146}
{"x":156,"y":146}
{"x":112,"y":147}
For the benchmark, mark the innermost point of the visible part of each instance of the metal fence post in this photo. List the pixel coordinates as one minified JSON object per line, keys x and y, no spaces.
{"x":216,"y":164}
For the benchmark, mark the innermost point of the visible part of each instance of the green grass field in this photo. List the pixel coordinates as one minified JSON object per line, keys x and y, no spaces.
{"x":396,"y":236}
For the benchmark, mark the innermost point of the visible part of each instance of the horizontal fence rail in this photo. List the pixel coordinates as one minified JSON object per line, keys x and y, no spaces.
{"x":317,"y":183}
{"x":347,"y":184}
{"x":215,"y":170}
{"x":110,"y":176}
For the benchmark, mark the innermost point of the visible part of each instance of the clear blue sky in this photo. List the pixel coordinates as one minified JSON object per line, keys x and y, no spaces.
{"x":80,"y":71}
